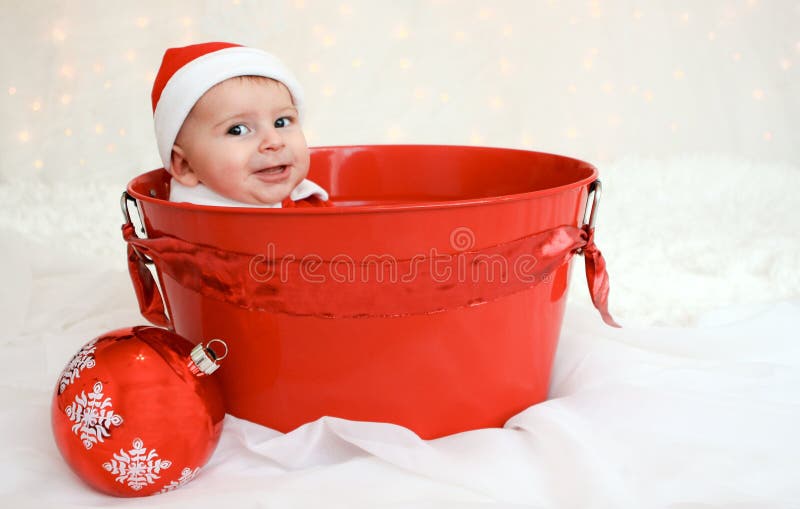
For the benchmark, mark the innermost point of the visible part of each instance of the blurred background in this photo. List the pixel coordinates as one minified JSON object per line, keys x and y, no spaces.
{"x":685,"y":107}
{"x":593,"y":79}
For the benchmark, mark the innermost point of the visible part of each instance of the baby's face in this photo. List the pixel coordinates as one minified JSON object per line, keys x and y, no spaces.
{"x":243,"y":140}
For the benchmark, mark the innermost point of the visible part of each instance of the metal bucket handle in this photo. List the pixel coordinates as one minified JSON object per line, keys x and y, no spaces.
{"x":595,"y":190}
{"x":124,"y":202}
{"x":590,"y":212}
{"x":162,"y":318}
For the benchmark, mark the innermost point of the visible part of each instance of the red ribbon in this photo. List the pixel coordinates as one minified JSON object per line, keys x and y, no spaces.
{"x":151,"y":305}
{"x":369,"y":287}
{"x":596,"y":275}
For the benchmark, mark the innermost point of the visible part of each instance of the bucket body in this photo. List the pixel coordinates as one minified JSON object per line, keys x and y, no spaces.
{"x":437,"y":373}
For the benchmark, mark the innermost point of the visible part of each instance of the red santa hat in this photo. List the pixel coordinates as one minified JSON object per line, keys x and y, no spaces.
{"x":187,"y":73}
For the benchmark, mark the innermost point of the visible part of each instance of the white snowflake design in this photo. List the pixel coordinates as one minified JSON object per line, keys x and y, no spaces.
{"x":93,"y":416}
{"x":137,"y":467}
{"x":80,"y":361}
{"x":187,"y":474}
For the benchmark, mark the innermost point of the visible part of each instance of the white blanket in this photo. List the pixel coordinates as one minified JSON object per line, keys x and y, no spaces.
{"x":705,"y":414}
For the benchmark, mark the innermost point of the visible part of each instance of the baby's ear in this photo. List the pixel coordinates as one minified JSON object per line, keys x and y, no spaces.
{"x":180,"y":168}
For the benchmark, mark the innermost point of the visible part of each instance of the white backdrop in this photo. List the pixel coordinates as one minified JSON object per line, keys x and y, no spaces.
{"x":593,"y":79}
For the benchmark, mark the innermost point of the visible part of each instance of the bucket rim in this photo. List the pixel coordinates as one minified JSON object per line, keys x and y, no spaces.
{"x":391,"y":207}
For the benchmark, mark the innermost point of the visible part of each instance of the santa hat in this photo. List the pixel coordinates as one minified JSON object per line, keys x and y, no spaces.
{"x":189,"y":72}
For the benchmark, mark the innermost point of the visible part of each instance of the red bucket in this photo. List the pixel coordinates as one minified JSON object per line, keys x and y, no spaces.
{"x":359,"y":337}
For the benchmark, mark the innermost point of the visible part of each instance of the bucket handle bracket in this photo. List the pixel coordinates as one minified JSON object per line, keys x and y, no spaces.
{"x":125,"y":202}
{"x":590,"y":213}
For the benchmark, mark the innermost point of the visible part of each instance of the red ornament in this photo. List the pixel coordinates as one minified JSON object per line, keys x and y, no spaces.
{"x":135,"y":414}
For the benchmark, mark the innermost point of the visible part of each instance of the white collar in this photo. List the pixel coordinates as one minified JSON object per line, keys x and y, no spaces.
{"x":202,"y":195}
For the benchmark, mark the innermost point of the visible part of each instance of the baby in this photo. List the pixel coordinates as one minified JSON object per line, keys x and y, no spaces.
{"x":227,"y":121}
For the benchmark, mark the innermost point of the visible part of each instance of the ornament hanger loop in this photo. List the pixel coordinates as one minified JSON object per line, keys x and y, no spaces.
{"x":216,"y":355}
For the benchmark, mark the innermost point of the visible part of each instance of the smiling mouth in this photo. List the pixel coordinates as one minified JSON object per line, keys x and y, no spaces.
{"x":274,"y":170}
{"x":273,"y":174}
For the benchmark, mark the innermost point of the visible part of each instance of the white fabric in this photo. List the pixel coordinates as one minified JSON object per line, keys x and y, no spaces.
{"x":203,"y":195}
{"x":639,"y":417}
{"x":191,"y":81}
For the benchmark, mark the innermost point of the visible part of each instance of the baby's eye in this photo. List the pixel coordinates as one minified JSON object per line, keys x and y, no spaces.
{"x":283,"y":122}
{"x":239,"y":130}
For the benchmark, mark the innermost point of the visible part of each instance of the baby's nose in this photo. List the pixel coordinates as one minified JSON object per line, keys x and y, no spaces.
{"x":271,"y":140}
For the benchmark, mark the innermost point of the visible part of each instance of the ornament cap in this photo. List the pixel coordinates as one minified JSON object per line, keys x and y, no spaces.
{"x":207,"y":359}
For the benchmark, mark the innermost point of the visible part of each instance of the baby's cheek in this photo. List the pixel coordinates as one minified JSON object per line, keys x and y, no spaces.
{"x":303,"y":163}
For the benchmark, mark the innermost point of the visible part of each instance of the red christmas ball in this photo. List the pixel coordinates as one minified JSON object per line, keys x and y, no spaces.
{"x":135,"y":413}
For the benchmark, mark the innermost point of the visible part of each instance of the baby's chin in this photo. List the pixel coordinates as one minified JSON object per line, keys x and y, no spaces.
{"x":269,"y":196}
{"x":270,"y":199}
{"x":256,"y":192}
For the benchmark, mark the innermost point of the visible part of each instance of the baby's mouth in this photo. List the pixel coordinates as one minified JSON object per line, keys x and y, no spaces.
{"x":273,"y":170}
{"x":273,"y":174}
